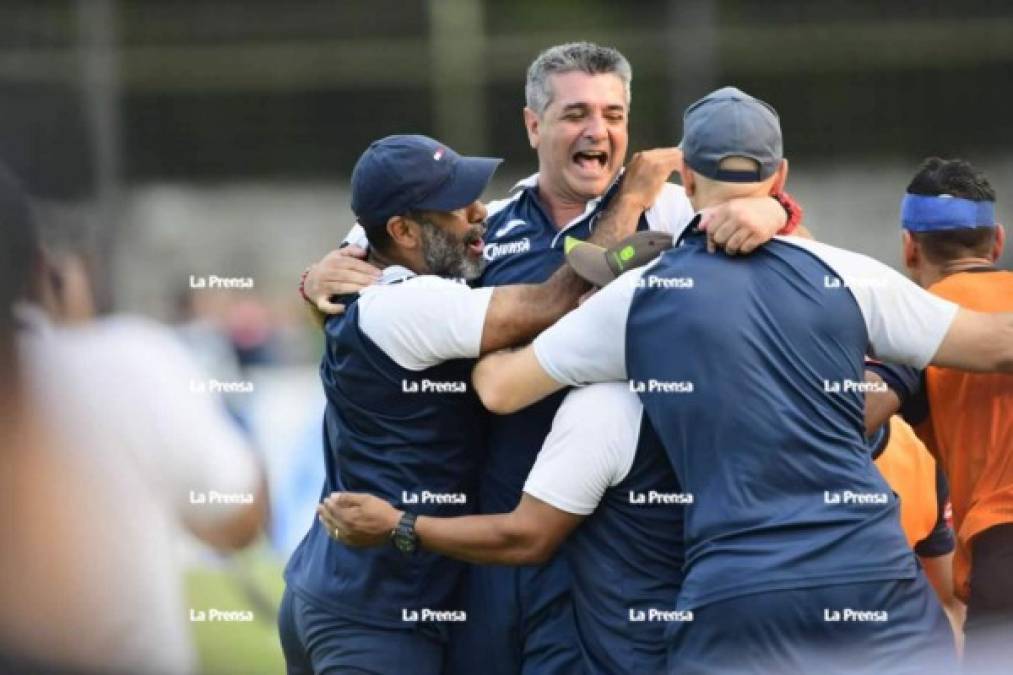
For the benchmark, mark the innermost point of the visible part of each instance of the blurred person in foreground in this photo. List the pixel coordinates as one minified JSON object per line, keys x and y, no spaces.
{"x":792,"y":529}
{"x":152,"y":459}
{"x":951,"y":241}
{"x":38,"y":571}
{"x":576,"y":117}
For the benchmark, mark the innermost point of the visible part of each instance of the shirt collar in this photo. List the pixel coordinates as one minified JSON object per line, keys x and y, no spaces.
{"x":394,"y":274}
{"x":590,"y":207}
{"x":692,"y":228}
{"x":532,"y":182}
{"x":526,"y":183}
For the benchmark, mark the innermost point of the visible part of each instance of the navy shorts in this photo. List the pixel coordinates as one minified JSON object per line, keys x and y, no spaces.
{"x":318,"y":642}
{"x":520,"y":621}
{"x":882,"y":627}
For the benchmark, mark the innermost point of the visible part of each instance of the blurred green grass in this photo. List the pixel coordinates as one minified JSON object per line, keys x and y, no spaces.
{"x":238,"y":648}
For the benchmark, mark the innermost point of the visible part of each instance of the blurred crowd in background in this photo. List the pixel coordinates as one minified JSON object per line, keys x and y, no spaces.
{"x":165,"y":143}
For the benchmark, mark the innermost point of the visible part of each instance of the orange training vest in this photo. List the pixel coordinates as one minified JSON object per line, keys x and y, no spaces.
{"x":972,"y":423}
{"x":910,"y":471}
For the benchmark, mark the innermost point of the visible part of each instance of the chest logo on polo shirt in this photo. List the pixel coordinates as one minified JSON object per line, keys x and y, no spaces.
{"x":505,"y":230}
{"x":494,"y":251}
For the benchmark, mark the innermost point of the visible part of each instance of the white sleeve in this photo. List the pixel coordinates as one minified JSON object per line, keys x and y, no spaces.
{"x":425,"y":320}
{"x":906,"y":324}
{"x":193,"y":444}
{"x":589,"y":344}
{"x":590,"y":448}
{"x":671,"y":211}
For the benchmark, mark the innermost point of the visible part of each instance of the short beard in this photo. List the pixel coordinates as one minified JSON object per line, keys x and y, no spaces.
{"x":446,"y":256}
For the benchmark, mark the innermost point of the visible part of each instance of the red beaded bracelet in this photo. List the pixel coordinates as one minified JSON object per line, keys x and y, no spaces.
{"x":792,"y":208}
{"x":302,"y":284}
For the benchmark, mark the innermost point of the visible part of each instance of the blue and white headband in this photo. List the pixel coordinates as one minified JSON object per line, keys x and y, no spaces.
{"x":923,"y":213}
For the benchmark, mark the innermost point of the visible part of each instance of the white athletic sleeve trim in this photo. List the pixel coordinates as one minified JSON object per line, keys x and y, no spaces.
{"x":590,"y":448}
{"x":425,"y":320}
{"x":906,"y":324}
{"x":671,"y":212}
{"x":589,"y":344}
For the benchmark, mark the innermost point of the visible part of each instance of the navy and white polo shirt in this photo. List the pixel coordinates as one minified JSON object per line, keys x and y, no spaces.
{"x":523,"y":245}
{"x":603,"y":460}
{"x":751,"y":371}
{"x":402,"y":423}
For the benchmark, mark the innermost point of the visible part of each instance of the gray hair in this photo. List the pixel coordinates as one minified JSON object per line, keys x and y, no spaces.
{"x":583,"y":56}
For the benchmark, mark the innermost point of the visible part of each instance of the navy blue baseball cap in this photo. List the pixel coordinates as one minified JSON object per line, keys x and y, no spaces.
{"x":411,"y":172}
{"x":731,"y":123}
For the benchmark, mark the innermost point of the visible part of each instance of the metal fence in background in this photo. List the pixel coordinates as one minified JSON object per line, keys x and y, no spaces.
{"x":102,"y":98}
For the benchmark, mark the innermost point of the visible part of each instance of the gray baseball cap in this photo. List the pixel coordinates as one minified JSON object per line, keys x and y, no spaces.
{"x":731,"y":123}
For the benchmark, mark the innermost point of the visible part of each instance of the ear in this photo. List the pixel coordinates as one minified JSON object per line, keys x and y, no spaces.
{"x":65,"y":289}
{"x":531,"y":123}
{"x":78,"y":300}
{"x":1000,"y":242}
{"x":404,"y":232}
{"x":780,"y":177}
{"x":912,"y":255}
{"x":688,"y":179}
{"x":48,"y":282}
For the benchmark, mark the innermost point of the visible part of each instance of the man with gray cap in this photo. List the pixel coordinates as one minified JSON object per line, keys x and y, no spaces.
{"x":402,"y":422}
{"x":751,"y":372}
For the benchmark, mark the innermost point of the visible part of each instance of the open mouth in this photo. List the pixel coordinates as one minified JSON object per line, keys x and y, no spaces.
{"x":475,"y":244}
{"x":591,"y":160}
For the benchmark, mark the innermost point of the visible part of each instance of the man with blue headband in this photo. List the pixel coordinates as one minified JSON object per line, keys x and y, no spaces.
{"x":951,"y":243}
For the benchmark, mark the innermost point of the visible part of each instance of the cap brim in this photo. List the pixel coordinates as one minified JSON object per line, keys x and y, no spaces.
{"x":588,"y":261}
{"x":600,"y":266}
{"x":471,"y":177}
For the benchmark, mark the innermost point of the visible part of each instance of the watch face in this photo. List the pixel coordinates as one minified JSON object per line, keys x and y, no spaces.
{"x":404,"y":544}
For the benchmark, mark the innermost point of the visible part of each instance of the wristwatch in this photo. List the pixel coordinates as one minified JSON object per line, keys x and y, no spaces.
{"x":403,"y":536}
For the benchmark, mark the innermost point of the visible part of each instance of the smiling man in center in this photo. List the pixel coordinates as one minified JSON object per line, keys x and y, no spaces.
{"x":520,"y":619}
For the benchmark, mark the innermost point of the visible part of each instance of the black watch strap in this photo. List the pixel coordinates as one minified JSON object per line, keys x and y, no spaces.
{"x":403,"y":536}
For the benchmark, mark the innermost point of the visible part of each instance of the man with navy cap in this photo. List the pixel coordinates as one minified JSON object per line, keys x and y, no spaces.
{"x":402,"y":422}
{"x":750,"y":370}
